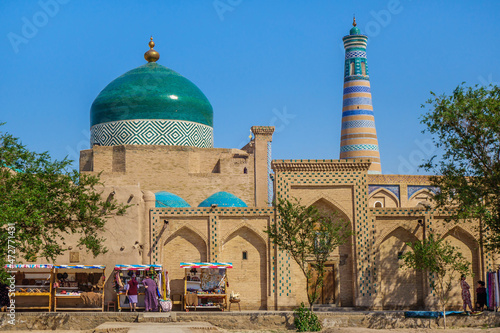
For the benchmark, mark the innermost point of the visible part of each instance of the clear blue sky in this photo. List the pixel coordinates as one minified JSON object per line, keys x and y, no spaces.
{"x":258,"y":62}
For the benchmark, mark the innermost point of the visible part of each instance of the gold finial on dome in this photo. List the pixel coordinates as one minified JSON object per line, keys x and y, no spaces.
{"x":353,"y":22}
{"x":151,"y":55}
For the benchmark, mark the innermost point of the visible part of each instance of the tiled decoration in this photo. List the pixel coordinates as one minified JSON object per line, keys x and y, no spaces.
{"x":359,"y":136}
{"x":152,"y":132}
{"x":412,"y":189}
{"x":391,"y":188}
{"x":269,"y":180}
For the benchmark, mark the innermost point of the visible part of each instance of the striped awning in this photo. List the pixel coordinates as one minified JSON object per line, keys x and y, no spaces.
{"x":48,"y":266}
{"x":137,"y":267}
{"x":80,"y":267}
{"x":206,"y":265}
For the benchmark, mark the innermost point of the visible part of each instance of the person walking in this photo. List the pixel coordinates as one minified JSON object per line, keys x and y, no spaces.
{"x":150,"y":298}
{"x":466,"y":294}
{"x":132,"y":293}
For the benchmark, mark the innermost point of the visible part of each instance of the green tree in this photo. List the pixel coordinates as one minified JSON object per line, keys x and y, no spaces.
{"x":309,"y":236}
{"x":443,"y":263}
{"x":42,"y":201}
{"x":466,"y":129}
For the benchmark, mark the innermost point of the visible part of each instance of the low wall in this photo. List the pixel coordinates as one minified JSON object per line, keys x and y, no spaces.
{"x":240,"y":320}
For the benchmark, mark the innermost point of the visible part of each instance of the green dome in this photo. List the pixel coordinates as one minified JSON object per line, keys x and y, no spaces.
{"x":151,"y":91}
{"x":354,"y":31}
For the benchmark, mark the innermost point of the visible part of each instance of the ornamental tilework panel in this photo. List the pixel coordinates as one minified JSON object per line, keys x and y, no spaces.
{"x":357,"y":113}
{"x":391,"y":188}
{"x":356,"y":101}
{"x":355,"y":54}
{"x":412,"y":189}
{"x":362,"y":224}
{"x":358,"y":123}
{"x":152,"y":132}
{"x":269,"y":180}
{"x":357,"y":89}
{"x":359,"y":147}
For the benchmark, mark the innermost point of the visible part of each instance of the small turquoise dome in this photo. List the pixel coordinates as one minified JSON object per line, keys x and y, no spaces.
{"x":167,"y":199}
{"x":151,"y":91}
{"x":223,"y":199}
{"x":354,"y":31}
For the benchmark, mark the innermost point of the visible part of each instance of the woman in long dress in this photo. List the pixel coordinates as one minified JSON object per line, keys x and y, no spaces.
{"x":150,"y":298}
{"x":465,"y":294}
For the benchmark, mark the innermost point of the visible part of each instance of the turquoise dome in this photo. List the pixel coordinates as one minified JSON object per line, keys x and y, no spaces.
{"x":167,"y":199}
{"x":354,"y":31}
{"x":151,"y":91}
{"x":223,"y":199}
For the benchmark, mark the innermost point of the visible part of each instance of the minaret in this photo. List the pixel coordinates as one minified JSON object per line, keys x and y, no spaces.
{"x":358,"y":137}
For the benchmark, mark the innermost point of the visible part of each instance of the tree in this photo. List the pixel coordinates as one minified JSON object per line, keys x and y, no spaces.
{"x":441,"y":261}
{"x":309,"y":236}
{"x":42,"y":201}
{"x":466,"y":128}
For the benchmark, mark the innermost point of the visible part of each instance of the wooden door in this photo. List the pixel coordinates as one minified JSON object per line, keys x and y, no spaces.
{"x":328,"y":292}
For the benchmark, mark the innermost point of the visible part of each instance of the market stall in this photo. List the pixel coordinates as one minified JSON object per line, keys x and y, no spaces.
{"x":79,"y":287}
{"x":33,"y":286}
{"x":124,"y":273}
{"x":205,"y":285}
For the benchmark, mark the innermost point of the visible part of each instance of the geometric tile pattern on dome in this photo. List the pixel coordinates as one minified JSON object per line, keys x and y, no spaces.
{"x":152,"y":132}
{"x":355,"y":54}
{"x":359,"y":147}
{"x":358,"y":123}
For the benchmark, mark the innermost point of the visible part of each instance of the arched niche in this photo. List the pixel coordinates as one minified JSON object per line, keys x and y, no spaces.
{"x":399,"y":288}
{"x":247,"y":251}
{"x":384,"y":197}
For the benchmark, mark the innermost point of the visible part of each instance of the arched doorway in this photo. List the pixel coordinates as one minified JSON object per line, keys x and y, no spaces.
{"x":338,"y":279}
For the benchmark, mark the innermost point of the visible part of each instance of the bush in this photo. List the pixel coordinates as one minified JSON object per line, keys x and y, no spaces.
{"x":306,"y":320}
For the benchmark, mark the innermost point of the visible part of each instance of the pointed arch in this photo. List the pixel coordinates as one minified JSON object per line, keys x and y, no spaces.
{"x":385,"y":192}
{"x":247,"y":225}
{"x":185,"y":227}
{"x":247,"y":250}
{"x":346,"y":263}
{"x":334,"y":205}
{"x":424,"y":190}
{"x":388,"y":233}
{"x":398,"y":288}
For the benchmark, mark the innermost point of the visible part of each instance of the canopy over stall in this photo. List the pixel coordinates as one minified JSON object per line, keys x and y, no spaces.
{"x":140,"y":271}
{"x":33,"y":286}
{"x":205,"y":285}
{"x":79,"y":287}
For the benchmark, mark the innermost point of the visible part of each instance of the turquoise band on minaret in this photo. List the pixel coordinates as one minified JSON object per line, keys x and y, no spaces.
{"x":358,"y":136}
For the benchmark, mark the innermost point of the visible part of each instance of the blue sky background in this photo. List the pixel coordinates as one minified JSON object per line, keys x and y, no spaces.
{"x":258,"y":62}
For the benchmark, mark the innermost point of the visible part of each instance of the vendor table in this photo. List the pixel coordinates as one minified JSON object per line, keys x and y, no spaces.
{"x":205,"y":285}
{"x":74,"y":292}
{"x":35,"y":286}
{"x":140,"y":270}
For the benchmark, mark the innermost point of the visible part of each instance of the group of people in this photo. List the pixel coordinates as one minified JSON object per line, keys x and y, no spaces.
{"x":480,"y":295}
{"x":150,"y":298}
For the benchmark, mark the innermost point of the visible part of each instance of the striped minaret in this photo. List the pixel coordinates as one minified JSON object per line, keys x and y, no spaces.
{"x":358,"y":137}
